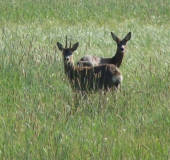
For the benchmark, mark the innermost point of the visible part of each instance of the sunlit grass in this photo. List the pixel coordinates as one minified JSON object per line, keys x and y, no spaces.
{"x":40,"y":117}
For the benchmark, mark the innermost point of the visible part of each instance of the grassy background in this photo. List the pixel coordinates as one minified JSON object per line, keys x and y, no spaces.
{"x":39,"y":118}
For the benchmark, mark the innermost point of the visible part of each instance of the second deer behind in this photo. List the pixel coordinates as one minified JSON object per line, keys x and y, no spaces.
{"x":90,"y":60}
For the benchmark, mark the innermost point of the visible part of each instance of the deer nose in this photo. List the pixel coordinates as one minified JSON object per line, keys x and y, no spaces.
{"x":121,"y":49}
{"x":66,"y":58}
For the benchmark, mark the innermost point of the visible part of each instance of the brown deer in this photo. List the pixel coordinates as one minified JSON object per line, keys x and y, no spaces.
{"x":89,"y":60}
{"x":102,"y":77}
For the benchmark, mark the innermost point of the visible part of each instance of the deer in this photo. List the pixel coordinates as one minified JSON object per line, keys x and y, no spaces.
{"x":89,"y":78}
{"x":90,"y":60}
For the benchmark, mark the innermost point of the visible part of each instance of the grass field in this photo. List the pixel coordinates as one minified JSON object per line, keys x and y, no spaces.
{"x":39,"y":117}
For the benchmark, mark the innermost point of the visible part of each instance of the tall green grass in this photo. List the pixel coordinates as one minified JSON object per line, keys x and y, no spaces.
{"x":39,"y":115}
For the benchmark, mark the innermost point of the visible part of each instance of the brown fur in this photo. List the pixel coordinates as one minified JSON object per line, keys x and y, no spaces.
{"x":89,"y":60}
{"x":103,"y":77}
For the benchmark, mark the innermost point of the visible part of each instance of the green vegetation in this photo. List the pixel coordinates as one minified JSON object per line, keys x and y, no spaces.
{"x":39,"y":115}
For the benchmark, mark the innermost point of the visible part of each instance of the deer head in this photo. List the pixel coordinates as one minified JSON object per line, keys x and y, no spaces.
{"x":67,"y":51}
{"x":121,"y":44}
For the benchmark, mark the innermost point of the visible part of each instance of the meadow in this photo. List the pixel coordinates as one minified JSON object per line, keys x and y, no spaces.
{"x":39,"y":116}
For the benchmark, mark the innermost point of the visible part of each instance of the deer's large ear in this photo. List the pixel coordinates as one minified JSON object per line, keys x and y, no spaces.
{"x":128,"y":37}
{"x":75,"y":46}
{"x":60,"y":46}
{"x":114,"y":37}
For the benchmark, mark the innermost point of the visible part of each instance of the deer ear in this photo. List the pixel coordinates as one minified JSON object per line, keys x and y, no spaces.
{"x":75,"y":46}
{"x":128,"y":37}
{"x":60,"y":46}
{"x":114,"y":37}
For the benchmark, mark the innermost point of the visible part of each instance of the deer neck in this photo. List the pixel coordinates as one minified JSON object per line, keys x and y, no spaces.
{"x":117,"y":58}
{"x":69,"y":70}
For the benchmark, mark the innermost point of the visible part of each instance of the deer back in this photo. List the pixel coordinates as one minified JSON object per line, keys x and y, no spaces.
{"x":90,"y":60}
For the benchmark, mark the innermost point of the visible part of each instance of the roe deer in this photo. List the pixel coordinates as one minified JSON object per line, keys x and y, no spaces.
{"x":103,"y":77}
{"x":90,"y":60}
